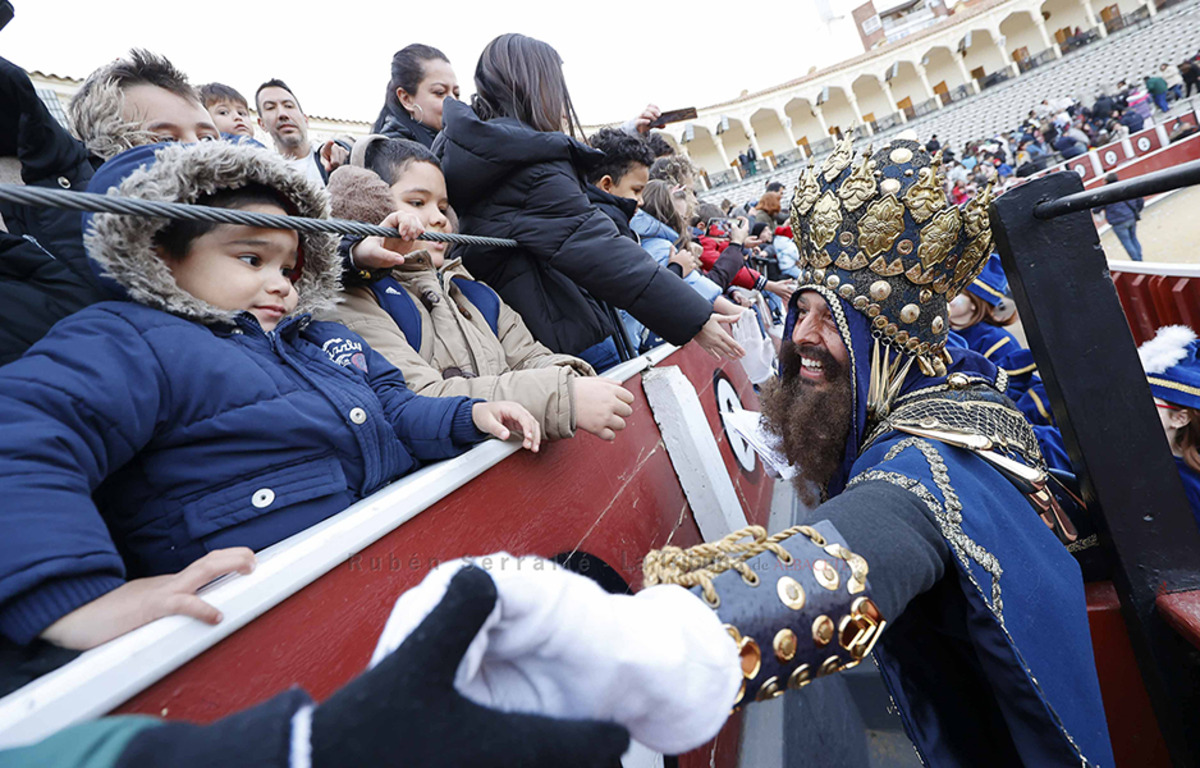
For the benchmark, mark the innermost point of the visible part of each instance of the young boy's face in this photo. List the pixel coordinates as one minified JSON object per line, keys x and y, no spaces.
{"x":421,"y":191}
{"x":243,"y":268}
{"x":630,"y":185}
{"x":231,"y":117}
{"x":167,"y":115}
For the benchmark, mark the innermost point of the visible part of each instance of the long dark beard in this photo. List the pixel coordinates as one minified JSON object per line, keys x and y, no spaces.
{"x":812,"y":421}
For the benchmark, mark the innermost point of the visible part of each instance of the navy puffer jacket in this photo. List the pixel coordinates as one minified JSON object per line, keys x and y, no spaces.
{"x":507,"y":180}
{"x":139,"y":435}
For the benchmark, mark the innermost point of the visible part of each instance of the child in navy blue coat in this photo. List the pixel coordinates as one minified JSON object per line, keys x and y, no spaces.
{"x":151,"y":442}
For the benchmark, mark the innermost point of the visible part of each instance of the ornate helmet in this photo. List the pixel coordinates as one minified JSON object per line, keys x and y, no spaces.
{"x":883,"y":236}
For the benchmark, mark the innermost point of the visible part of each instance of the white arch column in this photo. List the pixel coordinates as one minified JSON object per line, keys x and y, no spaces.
{"x":820,"y":115}
{"x":786,"y":122}
{"x":966,"y":76}
{"x":858,"y":115}
{"x":1093,"y":19}
{"x":929,"y":94}
{"x":999,"y":39}
{"x":891,"y":97}
{"x":1151,"y":6}
{"x":1050,"y":42}
{"x":721,"y":150}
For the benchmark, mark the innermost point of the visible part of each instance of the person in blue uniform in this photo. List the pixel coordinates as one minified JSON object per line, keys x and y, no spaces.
{"x":980,"y":315}
{"x":886,"y":424}
{"x":1172,"y":363}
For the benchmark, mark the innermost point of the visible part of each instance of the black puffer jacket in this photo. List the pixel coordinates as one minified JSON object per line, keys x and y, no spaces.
{"x":44,"y":271}
{"x":507,"y":180}
{"x":400,"y":125}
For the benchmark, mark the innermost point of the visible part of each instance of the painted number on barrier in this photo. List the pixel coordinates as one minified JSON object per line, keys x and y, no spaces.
{"x":1081,"y":169}
{"x":1143,"y":144}
{"x":1110,"y":157}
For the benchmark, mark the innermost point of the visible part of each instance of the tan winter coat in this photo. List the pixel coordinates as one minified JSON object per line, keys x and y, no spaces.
{"x":459,"y":355}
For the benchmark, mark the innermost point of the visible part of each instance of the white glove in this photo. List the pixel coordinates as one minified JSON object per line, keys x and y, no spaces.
{"x":659,"y":662}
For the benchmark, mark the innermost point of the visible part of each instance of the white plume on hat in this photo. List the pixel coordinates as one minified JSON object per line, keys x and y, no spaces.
{"x":1167,"y":349}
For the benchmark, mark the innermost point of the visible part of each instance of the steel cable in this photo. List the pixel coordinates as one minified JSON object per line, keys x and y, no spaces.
{"x":132,"y":206}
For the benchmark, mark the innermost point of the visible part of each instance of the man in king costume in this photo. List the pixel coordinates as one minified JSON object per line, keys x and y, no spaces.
{"x":930,"y":479}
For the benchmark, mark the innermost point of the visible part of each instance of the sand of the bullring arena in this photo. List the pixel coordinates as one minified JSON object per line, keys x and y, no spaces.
{"x":1169,"y":230}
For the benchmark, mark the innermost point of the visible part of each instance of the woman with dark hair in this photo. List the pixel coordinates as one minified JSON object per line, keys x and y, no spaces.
{"x":421,"y":80}
{"x":513,"y":171}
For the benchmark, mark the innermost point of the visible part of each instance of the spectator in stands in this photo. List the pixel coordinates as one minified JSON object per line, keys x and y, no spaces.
{"x":659,"y":145}
{"x":1123,"y":218}
{"x":1103,"y":106}
{"x":1174,"y":79}
{"x":280,"y":115}
{"x":726,"y":206}
{"x":1132,"y":120}
{"x":1189,"y":71}
{"x":661,"y":226}
{"x":933,"y":145}
{"x":448,"y":334}
{"x":229,"y":110}
{"x":1157,"y":88}
{"x":45,"y":275}
{"x":512,"y":172}
{"x":217,"y":415}
{"x":1069,"y":147}
{"x":422,"y":79}
{"x":768,"y":209}
{"x":618,"y":179}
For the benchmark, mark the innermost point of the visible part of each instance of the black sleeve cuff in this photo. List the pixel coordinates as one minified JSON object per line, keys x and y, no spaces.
{"x":259,"y":737}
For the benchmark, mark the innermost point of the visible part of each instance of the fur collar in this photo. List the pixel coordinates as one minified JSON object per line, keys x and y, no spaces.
{"x":121,"y":247}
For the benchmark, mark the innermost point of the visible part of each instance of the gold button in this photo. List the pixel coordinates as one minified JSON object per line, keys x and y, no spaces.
{"x":790,"y":592}
{"x":829,"y":666}
{"x":822,"y":631}
{"x":800,"y":678}
{"x":957,"y":381}
{"x":770,"y":690}
{"x":358,"y":415}
{"x":880,"y":290}
{"x":901,"y":155}
{"x":751,"y":656}
{"x":827,"y":575}
{"x":890,"y":186}
{"x":910,"y":313}
{"x":785,"y":645}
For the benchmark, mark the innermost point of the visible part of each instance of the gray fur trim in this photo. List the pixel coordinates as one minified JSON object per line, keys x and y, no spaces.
{"x":123,"y":245}
{"x":96,"y":120}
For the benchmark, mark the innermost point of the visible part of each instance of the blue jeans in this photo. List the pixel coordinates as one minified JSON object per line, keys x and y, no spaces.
{"x":601,"y":356}
{"x":1127,"y":234}
{"x":1161,"y":100}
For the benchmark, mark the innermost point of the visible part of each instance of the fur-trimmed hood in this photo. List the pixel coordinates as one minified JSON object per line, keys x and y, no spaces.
{"x":121,"y":248}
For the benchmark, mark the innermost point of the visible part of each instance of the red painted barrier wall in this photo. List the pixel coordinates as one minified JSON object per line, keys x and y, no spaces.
{"x":614,"y":501}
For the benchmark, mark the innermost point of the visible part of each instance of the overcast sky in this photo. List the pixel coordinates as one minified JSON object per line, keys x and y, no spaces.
{"x":618,"y":55}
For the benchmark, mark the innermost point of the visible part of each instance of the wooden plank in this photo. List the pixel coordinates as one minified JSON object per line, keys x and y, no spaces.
{"x":1103,"y":406}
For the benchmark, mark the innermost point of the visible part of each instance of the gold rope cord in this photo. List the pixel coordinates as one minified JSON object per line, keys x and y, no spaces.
{"x":699,"y":565}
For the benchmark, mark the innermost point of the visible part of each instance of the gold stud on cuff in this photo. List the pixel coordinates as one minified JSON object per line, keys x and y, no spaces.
{"x":790,"y":592}
{"x":822,"y":631}
{"x":785,"y":645}
{"x":751,"y":656}
{"x":770,"y":690}
{"x":826,"y":574}
{"x":800,"y":678}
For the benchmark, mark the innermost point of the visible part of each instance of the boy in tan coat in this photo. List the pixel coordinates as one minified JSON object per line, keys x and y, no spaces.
{"x":464,"y":339}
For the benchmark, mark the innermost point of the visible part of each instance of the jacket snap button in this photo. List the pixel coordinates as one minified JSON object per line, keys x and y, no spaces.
{"x":262,"y":498}
{"x":64,"y":182}
{"x":358,"y":415}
